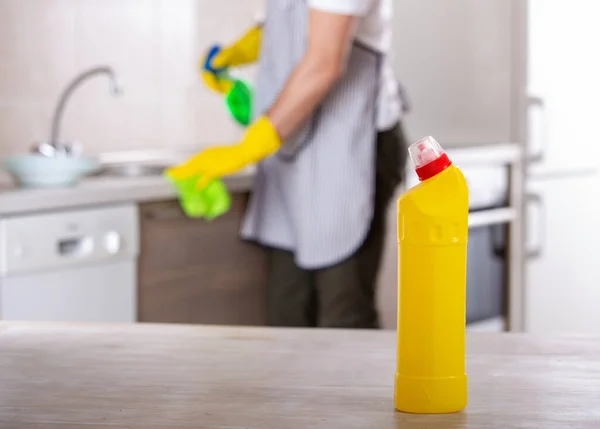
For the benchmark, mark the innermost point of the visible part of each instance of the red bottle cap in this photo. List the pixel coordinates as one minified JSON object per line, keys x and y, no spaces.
{"x":428,"y":158}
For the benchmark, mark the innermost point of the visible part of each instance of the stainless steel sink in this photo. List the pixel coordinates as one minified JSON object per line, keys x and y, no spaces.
{"x":140,"y":163}
{"x":133,"y":170}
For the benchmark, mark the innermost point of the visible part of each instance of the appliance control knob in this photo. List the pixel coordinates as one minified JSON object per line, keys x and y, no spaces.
{"x":113,"y":242}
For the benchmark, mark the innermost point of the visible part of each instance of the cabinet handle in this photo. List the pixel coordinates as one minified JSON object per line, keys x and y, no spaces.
{"x":533,"y":250}
{"x":499,"y":241}
{"x":491,"y":217}
{"x":536,"y":104}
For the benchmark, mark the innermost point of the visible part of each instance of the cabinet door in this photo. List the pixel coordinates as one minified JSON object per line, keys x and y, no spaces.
{"x":387,"y":284}
{"x":193,"y":271}
{"x":563,"y":268}
{"x":563,"y":85}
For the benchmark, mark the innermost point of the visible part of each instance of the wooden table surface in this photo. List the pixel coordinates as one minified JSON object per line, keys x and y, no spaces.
{"x":173,"y":377}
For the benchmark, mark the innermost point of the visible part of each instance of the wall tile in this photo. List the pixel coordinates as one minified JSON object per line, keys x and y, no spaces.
{"x":36,"y":48}
{"x":153,"y":45}
{"x":226,"y":20}
{"x":21,"y":125}
{"x":178,"y":48}
{"x":177,"y":124}
{"x":113,"y":124}
{"x":121,"y":34}
{"x":212,"y":122}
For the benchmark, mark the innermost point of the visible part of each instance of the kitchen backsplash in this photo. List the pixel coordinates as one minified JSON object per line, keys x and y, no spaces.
{"x":153,"y":45}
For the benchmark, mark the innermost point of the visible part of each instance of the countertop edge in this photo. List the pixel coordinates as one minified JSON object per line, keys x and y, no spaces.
{"x":111,"y":190}
{"x":100,"y":191}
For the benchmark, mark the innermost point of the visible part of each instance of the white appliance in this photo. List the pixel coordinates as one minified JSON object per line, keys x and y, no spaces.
{"x":487,"y":269}
{"x":78,"y":266}
{"x":562,"y":271}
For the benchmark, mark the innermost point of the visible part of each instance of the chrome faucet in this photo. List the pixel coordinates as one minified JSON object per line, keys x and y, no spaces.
{"x":115,"y":88}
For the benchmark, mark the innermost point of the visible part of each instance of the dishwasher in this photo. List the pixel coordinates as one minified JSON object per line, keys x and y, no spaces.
{"x":70,"y":266}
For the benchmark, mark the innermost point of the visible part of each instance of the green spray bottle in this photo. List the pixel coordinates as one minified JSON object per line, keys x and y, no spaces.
{"x":238,"y":99}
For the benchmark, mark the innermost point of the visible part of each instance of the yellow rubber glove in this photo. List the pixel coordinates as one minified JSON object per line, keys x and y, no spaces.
{"x":261,"y":140}
{"x":244,"y":51}
{"x":222,"y":86}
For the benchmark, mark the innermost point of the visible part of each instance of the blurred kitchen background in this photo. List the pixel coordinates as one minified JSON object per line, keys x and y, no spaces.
{"x":509,"y":87}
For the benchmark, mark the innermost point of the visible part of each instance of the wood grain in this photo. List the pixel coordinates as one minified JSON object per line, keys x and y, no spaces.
{"x":173,"y":377}
{"x":193,"y":271}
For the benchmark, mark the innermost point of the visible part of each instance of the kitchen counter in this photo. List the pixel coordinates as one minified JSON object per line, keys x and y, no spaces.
{"x":109,"y":190}
{"x":101,"y":190}
{"x":55,"y":376}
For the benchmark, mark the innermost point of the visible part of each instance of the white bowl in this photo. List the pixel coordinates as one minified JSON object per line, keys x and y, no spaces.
{"x":38,"y":171}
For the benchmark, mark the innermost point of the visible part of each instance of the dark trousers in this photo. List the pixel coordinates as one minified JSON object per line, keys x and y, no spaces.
{"x":343,"y":295}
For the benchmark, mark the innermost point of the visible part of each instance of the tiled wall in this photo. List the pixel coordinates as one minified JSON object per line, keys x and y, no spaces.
{"x":153,"y":45}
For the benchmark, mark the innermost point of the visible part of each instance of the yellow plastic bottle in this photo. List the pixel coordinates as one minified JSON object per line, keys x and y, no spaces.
{"x":432,"y":237}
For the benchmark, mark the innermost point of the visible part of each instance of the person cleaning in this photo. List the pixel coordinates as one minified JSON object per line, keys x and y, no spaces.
{"x":330,"y":151}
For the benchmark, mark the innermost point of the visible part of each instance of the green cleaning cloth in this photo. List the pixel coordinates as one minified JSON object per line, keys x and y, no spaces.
{"x":211,"y":202}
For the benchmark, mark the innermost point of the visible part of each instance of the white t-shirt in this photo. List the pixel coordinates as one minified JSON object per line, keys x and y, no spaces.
{"x":374,"y":30}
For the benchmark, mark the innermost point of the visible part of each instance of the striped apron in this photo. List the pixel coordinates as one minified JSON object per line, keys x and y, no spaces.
{"x":314,"y":197}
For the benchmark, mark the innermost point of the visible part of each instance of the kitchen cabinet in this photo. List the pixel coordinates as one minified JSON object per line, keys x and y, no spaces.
{"x":193,"y":271}
{"x":563,"y":85}
{"x":456,"y":60}
{"x":563,"y":270}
